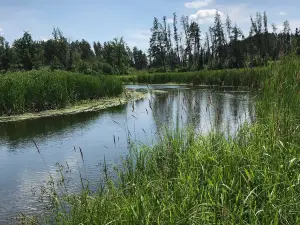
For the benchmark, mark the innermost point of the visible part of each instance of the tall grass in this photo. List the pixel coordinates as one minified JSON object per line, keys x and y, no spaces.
{"x":41,"y":90}
{"x":189,"y":179}
{"x":233,"y":77}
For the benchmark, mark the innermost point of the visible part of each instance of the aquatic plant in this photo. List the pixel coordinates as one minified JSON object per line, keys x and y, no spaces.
{"x":186,"y":178}
{"x":41,"y":90}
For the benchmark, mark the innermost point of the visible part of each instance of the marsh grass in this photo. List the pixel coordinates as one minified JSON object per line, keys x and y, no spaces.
{"x":41,"y":90}
{"x":233,"y":77}
{"x":252,"y":178}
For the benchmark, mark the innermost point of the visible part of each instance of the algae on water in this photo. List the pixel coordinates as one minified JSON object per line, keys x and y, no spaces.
{"x":79,"y":107}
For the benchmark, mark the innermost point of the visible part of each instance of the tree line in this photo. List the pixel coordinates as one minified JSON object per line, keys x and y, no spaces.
{"x":111,"y":57}
{"x":180,"y":46}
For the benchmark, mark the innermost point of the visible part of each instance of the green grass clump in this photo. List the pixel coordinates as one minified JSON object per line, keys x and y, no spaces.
{"x":188,"y":179}
{"x":234,"y":77}
{"x":41,"y":90}
{"x":206,"y":180}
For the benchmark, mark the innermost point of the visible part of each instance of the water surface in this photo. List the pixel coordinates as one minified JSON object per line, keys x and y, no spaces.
{"x":105,"y":133}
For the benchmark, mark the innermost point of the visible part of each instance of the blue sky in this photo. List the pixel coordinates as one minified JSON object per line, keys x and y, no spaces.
{"x":102,"y":20}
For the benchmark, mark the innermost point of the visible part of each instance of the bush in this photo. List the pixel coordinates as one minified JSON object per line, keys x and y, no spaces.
{"x":107,"y":68}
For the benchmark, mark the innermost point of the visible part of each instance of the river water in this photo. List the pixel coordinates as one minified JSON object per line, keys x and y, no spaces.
{"x":104,"y":134}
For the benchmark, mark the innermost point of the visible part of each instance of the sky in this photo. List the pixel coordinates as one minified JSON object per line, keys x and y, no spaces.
{"x":102,"y":20}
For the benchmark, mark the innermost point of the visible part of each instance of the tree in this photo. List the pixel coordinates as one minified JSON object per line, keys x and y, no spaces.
{"x":176,"y":37}
{"x":219,"y":40}
{"x":98,"y":50}
{"x":157,"y":50}
{"x":228,"y":27}
{"x":5,"y":55}
{"x":139,"y":59}
{"x":236,"y":47}
{"x":187,"y":55}
{"x":85,"y":49}
{"x":297,"y":40}
{"x":195,"y":38}
{"x":24,"y":49}
{"x":286,"y":37}
{"x":56,"y":51}
{"x":266,"y":36}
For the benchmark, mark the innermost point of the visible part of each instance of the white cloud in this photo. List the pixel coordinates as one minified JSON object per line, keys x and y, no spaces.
{"x":205,"y":16}
{"x":140,"y":35}
{"x":293,"y":25}
{"x":1,"y":30}
{"x":138,"y":38}
{"x":282,"y":13}
{"x":197,"y":4}
{"x":170,"y":20}
{"x":43,"y":38}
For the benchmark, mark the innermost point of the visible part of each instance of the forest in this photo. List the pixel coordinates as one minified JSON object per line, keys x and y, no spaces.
{"x":180,"y":46}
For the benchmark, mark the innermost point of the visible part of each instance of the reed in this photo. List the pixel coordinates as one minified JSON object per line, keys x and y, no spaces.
{"x":185,"y":178}
{"x":41,"y":90}
{"x":233,"y":77}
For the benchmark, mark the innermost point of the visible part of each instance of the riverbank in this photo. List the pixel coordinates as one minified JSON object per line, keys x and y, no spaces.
{"x":246,"y":77}
{"x":191,"y":179}
{"x":79,"y":107}
{"x":40,"y":90}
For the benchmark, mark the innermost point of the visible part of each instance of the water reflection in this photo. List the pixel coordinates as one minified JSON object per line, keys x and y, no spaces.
{"x":204,"y":110}
{"x":106,"y":133}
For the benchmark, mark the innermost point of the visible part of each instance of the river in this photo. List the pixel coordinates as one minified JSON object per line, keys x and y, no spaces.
{"x":105,"y":134}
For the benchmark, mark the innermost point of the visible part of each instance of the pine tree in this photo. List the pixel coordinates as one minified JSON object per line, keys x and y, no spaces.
{"x":266,"y":36}
{"x":176,"y":37}
{"x":297,"y":37}
{"x":157,"y":49}
{"x":187,"y":55}
{"x":228,"y":27}
{"x":219,"y":40}
{"x":195,"y":37}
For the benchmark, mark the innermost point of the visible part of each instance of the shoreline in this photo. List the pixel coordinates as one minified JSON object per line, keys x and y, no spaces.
{"x":79,"y":107}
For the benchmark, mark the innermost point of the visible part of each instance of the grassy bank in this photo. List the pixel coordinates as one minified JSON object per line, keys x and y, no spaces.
{"x":234,"y":77}
{"x":36,"y":91}
{"x":190,"y":179}
{"x":78,"y":107}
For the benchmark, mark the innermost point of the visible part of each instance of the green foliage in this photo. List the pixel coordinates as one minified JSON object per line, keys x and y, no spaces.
{"x":234,"y":77}
{"x":106,"y":68}
{"x":224,"y":47}
{"x":41,"y":90}
{"x":252,"y":178}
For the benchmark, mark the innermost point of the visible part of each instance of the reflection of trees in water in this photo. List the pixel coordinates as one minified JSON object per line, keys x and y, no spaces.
{"x":199,"y":109}
{"x":204,"y":109}
{"x":251,"y":110}
{"x":162,"y":106}
{"x":192,"y":109}
{"x":19,"y":132}
{"x":218,"y":104}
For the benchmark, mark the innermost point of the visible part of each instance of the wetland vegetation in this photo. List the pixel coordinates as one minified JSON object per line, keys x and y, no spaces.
{"x":183,"y":177}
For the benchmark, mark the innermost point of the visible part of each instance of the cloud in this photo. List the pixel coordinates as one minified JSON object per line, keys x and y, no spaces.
{"x":170,"y":20}
{"x":1,"y":30}
{"x":43,"y":38}
{"x":293,"y":25}
{"x":138,"y":38}
{"x":282,"y":13}
{"x":205,"y":16}
{"x":140,"y":35}
{"x":197,"y":4}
